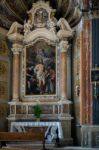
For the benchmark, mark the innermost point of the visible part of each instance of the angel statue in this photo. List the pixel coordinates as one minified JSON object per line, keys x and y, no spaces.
{"x":27,"y":27}
{"x":63,"y":24}
{"x":15,"y":28}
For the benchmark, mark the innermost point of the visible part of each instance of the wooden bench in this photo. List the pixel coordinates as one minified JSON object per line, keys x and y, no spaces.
{"x":18,"y":148}
{"x":22,"y":136}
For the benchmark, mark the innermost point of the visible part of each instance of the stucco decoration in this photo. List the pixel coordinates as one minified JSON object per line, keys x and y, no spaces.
{"x":65,"y":29}
{"x":41,"y":23}
{"x":15,"y":28}
{"x":41,"y":14}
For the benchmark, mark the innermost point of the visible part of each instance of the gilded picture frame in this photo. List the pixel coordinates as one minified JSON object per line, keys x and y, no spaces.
{"x":40,"y":72}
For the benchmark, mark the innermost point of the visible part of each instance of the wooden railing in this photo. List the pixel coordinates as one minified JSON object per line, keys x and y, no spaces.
{"x":22,"y":136}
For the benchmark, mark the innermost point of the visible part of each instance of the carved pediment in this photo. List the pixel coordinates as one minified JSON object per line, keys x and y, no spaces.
{"x":41,"y":24}
{"x":41,"y":15}
{"x":40,"y":33}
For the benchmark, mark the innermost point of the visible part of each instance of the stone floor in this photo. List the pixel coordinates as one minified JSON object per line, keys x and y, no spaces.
{"x":51,"y":147}
{"x":74,"y":148}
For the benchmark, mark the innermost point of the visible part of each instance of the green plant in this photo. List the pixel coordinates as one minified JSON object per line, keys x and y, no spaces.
{"x":37,"y":110}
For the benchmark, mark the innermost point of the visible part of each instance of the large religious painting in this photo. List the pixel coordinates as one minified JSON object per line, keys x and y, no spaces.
{"x":95,"y":75}
{"x":40,"y":69}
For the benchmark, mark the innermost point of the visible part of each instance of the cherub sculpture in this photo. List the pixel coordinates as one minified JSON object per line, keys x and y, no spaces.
{"x":27,"y":27}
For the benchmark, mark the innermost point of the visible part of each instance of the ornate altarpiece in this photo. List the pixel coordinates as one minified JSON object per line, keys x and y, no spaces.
{"x":40,"y":49}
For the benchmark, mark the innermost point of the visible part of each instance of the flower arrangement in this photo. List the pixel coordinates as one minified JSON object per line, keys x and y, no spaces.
{"x":37,"y":111}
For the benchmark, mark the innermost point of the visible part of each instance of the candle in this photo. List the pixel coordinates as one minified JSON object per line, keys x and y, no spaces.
{"x":95,"y":84}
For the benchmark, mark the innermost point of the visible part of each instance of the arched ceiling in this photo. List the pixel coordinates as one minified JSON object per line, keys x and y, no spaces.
{"x":15,"y":10}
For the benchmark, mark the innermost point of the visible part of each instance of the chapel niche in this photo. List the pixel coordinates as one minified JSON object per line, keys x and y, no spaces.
{"x":40,"y":68}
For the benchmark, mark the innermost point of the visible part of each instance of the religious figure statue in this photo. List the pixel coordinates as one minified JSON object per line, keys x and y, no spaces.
{"x":15,"y":28}
{"x":52,"y":24}
{"x":63,"y":24}
{"x":27,"y":27}
{"x":65,"y":29}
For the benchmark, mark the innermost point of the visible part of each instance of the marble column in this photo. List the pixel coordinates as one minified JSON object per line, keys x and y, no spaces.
{"x":69,"y":74}
{"x":63,"y":83}
{"x":16,"y":49}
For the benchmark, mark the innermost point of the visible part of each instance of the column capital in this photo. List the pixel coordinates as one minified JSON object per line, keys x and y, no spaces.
{"x":64,"y":46}
{"x":16,"y":48}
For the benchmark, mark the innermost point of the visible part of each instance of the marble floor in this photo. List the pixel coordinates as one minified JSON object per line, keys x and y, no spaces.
{"x":50,"y":146}
{"x":74,"y":148}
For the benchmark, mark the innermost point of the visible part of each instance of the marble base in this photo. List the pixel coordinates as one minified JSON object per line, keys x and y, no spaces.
{"x":90,"y":135}
{"x":65,"y":130}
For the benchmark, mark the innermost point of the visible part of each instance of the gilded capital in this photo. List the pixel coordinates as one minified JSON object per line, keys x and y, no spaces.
{"x":64,"y":46}
{"x":16,"y":48}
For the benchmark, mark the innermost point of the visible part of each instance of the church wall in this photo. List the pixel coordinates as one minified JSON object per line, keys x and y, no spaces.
{"x":85,"y":68}
{"x":81,"y":78}
{"x":4,"y":81}
{"x":95,"y":64}
{"x":89,"y":105}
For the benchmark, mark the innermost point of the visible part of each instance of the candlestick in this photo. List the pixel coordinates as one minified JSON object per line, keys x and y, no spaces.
{"x":95,"y":84}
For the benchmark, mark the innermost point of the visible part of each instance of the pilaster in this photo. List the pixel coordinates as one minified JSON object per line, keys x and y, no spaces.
{"x":69,"y":74}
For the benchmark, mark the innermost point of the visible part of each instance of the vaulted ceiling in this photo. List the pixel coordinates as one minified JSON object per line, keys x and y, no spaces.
{"x":15,"y":10}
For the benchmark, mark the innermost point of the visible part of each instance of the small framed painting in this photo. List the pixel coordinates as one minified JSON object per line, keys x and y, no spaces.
{"x":95,"y":75}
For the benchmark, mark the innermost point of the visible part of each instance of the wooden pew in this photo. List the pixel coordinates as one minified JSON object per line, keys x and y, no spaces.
{"x":22,"y":136}
{"x":18,"y":148}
